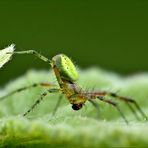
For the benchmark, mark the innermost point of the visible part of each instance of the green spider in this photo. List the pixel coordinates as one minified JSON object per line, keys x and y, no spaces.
{"x":67,"y":75}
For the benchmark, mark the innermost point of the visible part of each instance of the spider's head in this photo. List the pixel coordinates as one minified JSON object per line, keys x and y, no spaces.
{"x":77,"y":106}
{"x":65,"y":67}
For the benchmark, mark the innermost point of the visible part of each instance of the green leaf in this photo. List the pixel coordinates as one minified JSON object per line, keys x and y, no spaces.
{"x":70,"y":128}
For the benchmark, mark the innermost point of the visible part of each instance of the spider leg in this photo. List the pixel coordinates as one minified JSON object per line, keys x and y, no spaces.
{"x":52,"y":90}
{"x":128,"y":101}
{"x":57,"y":105}
{"x":114,"y":105}
{"x":33,"y":52}
{"x":133,"y":110}
{"x":96,"y":105}
{"x":25,"y":88}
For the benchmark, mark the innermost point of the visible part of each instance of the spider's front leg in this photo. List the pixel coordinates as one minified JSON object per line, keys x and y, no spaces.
{"x":52,"y":90}
{"x":57,"y":105}
{"x":45,"y":85}
{"x":33,"y":52}
{"x":27,"y":87}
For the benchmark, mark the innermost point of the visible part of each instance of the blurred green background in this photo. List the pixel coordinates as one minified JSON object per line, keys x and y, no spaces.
{"x":109,"y":34}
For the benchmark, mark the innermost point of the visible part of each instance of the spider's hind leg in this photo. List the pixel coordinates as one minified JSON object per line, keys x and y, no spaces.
{"x":129,"y":101}
{"x":114,"y":105}
{"x":96,"y":105}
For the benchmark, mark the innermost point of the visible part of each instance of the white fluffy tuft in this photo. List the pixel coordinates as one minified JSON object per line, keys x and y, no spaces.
{"x":4,"y":56}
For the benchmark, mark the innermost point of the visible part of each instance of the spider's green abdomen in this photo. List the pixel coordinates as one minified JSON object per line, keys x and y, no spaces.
{"x":65,"y":67}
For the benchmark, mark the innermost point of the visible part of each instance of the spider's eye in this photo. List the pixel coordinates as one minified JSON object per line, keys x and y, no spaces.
{"x":76,"y":106}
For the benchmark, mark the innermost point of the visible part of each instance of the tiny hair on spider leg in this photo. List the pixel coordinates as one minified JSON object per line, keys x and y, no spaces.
{"x":67,"y":76}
